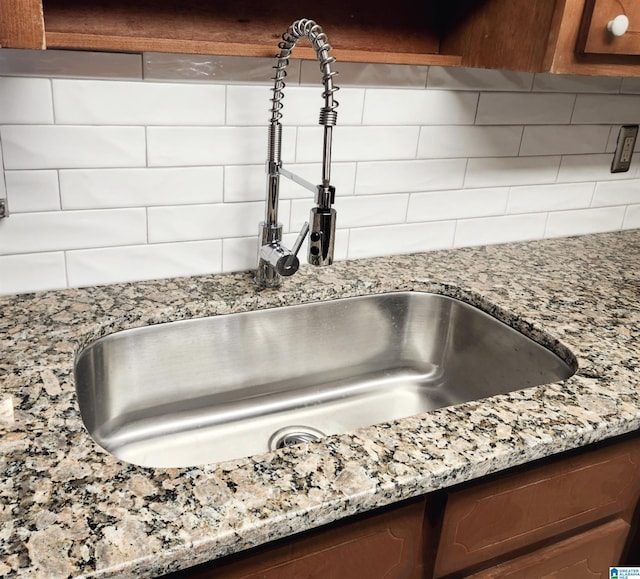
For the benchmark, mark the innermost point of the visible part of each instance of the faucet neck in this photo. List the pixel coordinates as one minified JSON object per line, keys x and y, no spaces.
{"x":303,"y":28}
{"x":313,"y":32}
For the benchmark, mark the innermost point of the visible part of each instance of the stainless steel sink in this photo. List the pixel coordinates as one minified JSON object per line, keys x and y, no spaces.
{"x":211,"y":389}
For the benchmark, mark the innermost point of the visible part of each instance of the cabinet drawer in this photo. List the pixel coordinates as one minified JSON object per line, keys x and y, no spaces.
{"x":597,"y":39}
{"x":490,"y":519}
{"x":586,"y":555}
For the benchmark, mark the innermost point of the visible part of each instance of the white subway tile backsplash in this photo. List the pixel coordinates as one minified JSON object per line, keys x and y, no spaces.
{"x":246,"y":105}
{"x":564,"y":140}
{"x":405,"y":238}
{"x":30,"y":191}
{"x":632,"y":217}
{"x":196,"y":222}
{"x":99,"y":102}
{"x":503,"y":171}
{"x":563,"y":223}
{"x":536,"y":198}
{"x":591,"y":168}
{"x":416,"y":107}
{"x":524,"y":108}
{"x":112,"y":181}
{"x":57,"y":147}
{"x":607,"y":109}
{"x":32,"y":272}
{"x":617,"y":193}
{"x":104,"y":188}
{"x":630,"y":85}
{"x":193,"y":146}
{"x":25,"y":100}
{"x":364,"y":211}
{"x":358,"y":143}
{"x":359,"y":211}
{"x":460,"y":78}
{"x":239,"y":253}
{"x":576,"y":83}
{"x":501,"y":229}
{"x":457,"y":204}
{"x":122,"y":264}
{"x":369,"y":74}
{"x":211,"y":68}
{"x":248,"y":182}
{"x":408,"y":176}
{"x":460,"y":141}
{"x":69,"y":63}
{"x":62,"y":230}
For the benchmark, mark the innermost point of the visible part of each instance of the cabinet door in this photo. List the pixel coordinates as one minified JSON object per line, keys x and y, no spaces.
{"x":596,"y":37}
{"x":584,"y":556}
{"x":489,"y":520}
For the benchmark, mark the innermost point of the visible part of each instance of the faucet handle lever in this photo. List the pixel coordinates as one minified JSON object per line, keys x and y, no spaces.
{"x":292,"y":263}
{"x":300,"y":240}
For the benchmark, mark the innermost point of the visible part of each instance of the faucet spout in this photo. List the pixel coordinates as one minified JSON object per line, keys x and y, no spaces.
{"x":271,"y":254}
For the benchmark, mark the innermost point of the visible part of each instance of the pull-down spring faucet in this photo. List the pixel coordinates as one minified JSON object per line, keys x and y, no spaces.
{"x":275,"y":260}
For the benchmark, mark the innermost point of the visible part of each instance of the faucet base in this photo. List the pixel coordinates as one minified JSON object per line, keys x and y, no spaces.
{"x":267,"y":278}
{"x":266,"y":273}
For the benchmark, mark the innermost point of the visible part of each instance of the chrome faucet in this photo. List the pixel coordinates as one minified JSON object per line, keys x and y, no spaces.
{"x":275,"y":260}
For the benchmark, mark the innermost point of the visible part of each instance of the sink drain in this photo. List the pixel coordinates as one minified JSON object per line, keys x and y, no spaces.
{"x":292,"y":435}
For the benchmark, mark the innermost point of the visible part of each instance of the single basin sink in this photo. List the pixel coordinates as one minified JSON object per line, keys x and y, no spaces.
{"x":211,"y":389}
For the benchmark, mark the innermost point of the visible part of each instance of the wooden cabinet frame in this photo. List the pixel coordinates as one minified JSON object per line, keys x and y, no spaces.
{"x":21,"y":24}
{"x":533,"y":36}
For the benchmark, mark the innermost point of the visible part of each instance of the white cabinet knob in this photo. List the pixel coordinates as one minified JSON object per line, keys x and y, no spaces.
{"x":619,"y":25}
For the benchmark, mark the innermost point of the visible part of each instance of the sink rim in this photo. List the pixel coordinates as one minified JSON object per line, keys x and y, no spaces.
{"x":518,"y":322}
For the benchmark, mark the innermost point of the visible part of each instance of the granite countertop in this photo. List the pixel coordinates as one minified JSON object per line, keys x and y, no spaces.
{"x":69,"y":508}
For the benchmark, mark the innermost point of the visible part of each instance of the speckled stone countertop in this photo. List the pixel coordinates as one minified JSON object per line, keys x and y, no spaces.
{"x":71,"y":509}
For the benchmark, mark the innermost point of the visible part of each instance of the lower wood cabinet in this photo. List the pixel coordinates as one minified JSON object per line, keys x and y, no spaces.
{"x":385,"y":543}
{"x":570,"y":516}
{"x":488,"y":520}
{"x":583,"y":556}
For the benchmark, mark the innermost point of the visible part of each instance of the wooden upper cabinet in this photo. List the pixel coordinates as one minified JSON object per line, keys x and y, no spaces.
{"x":611,"y":27}
{"x":500,"y":34}
{"x":538,"y":36}
{"x":358,"y":30}
{"x":560,"y":36}
{"x":581,"y":43}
